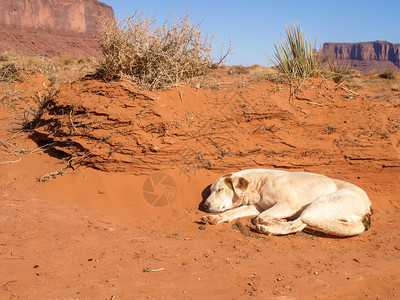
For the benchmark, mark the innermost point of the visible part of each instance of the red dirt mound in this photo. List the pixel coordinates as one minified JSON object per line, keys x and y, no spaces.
{"x":114,"y":127}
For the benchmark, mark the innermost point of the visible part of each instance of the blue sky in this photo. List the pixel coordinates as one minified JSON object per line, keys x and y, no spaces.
{"x":253,"y":26}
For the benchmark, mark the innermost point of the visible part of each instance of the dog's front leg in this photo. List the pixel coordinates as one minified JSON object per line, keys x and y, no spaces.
{"x":240,"y":212}
{"x":279,"y":212}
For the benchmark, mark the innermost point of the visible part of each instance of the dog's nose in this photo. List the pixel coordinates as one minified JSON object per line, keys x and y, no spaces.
{"x":206,"y":206}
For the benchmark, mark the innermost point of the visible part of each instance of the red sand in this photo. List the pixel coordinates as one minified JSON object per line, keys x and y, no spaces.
{"x":93,"y":234}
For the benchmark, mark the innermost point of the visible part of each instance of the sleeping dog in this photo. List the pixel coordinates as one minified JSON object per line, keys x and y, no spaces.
{"x":308,"y":200}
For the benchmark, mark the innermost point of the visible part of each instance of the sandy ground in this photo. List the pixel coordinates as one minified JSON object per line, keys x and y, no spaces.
{"x":120,"y":220}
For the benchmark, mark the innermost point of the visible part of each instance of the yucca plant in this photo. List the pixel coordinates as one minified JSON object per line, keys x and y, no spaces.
{"x":296,"y":57}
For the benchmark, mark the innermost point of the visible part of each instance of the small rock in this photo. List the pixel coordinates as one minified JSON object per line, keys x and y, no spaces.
{"x":154,"y":148}
{"x":202,"y":227}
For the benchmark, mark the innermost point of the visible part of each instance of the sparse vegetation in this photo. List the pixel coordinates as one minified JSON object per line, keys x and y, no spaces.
{"x":259,"y":73}
{"x":339,"y":71}
{"x":34,"y":112}
{"x":155,"y":56}
{"x":388,"y":74}
{"x":15,"y":65}
{"x":239,"y":69}
{"x":64,"y":60}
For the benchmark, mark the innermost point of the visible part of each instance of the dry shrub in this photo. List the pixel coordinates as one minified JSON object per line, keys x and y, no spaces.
{"x":9,"y":56}
{"x":238,"y":70}
{"x":9,"y":73}
{"x":260,"y":73}
{"x":339,"y":71}
{"x":33,"y":114}
{"x":64,"y":60}
{"x":388,"y":74}
{"x":42,"y":65}
{"x":155,"y":56}
{"x":18,"y":64}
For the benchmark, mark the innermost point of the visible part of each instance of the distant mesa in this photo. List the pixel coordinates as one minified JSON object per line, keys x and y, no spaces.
{"x":366,"y":56}
{"x":52,"y":28}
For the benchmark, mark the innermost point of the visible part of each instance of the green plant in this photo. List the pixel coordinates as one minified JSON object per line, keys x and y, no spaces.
{"x":155,"y":56}
{"x":296,"y":57}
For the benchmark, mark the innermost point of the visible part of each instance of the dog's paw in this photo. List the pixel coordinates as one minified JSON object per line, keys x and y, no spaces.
{"x":262,"y":229}
{"x":211,"y":219}
{"x":262,"y":221}
{"x":257,"y":220}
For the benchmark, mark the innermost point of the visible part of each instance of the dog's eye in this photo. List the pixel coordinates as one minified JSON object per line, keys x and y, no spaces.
{"x":219,"y":190}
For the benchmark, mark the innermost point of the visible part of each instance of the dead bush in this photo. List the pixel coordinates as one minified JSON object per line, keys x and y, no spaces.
{"x":9,"y":72}
{"x":339,"y":71}
{"x":155,"y":56}
{"x":260,"y":73}
{"x":17,"y":64}
{"x":35,"y":110}
{"x":388,"y":74}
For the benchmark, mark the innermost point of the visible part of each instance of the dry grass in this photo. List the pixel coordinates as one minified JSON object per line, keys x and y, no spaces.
{"x":154,"y":56}
{"x":255,"y":72}
{"x":339,"y":71}
{"x":33,"y":114}
{"x":15,"y":64}
{"x":260,"y":73}
{"x":388,"y":74}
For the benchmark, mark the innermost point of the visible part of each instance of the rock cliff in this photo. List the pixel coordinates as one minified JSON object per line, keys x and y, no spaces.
{"x":366,"y":56}
{"x":52,"y":27}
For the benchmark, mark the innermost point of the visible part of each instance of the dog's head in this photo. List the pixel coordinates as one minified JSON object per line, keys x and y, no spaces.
{"x":226,"y":193}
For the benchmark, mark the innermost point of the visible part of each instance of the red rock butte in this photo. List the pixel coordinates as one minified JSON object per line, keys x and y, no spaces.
{"x":52,"y":27}
{"x":366,"y":56}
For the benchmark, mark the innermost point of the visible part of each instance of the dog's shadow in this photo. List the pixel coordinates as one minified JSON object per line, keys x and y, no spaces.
{"x":204,"y":195}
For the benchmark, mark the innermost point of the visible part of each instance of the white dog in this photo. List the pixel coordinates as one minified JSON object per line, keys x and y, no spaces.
{"x":309,"y":200}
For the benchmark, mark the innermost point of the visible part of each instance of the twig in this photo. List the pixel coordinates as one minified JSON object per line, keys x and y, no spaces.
{"x":10,"y":162}
{"x":152,"y":270}
{"x":72,"y":122}
{"x":315,"y":103}
{"x":4,"y":144}
{"x":180,"y":96}
{"x":52,"y":174}
{"x":349,"y":90}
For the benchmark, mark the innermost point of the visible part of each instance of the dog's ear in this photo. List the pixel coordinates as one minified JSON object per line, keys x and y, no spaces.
{"x":237,"y":184}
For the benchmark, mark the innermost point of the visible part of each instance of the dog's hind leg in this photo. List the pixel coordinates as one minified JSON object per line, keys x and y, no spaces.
{"x":339,"y":227}
{"x":343,"y":213}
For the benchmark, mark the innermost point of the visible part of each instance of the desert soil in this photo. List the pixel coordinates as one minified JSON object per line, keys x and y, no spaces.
{"x":102,"y":200}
